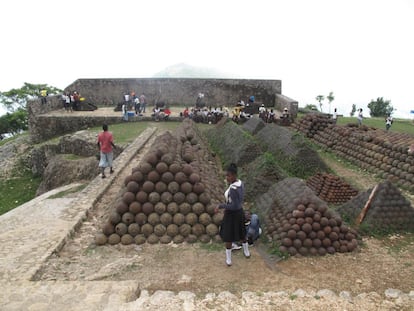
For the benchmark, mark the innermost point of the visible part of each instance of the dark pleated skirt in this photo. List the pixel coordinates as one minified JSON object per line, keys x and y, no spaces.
{"x":232,"y":228}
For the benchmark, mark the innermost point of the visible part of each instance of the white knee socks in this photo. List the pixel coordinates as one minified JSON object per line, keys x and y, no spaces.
{"x":228,"y":257}
{"x":246,"y":251}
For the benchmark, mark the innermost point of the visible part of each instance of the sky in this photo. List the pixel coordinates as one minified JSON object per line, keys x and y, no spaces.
{"x":359,"y":50}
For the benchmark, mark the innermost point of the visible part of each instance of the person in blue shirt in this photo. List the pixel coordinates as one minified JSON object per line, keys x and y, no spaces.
{"x":253,"y":230}
{"x":233,"y":227}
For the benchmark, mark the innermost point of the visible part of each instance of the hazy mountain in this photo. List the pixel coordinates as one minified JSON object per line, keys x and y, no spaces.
{"x":183,"y":70}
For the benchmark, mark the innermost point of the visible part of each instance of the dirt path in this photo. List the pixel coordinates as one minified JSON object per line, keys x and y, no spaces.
{"x":200,"y":268}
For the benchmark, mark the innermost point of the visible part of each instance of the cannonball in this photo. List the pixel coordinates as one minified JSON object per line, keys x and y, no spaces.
{"x":167,"y":177}
{"x":307,"y":228}
{"x":301,"y":235}
{"x":191,"y":219}
{"x":108,"y":229}
{"x":166,"y":219}
{"x":205,"y":198}
{"x":178,"y":239}
{"x":138,"y":177}
{"x":153,"y":239}
{"x":210,"y":209}
{"x":316,"y":243}
{"x":313,"y":251}
{"x":303,"y":251}
{"x":218,"y":219}
{"x":198,"y":188}
{"x":330,"y":250}
{"x":198,"y":229}
{"x":160,"y":187}
{"x":140,"y":239}
{"x":147,"y":229}
{"x":121,"y":207}
{"x":100,"y":239}
{"x":172,"y":230}
{"x":326,"y":242}
{"x":301,"y":207}
{"x":298,"y":214}
{"x":166,"y":198}
{"x":151,"y":158}
{"x":198,"y":208}
{"x":309,"y":212}
{"x":175,"y":168}
{"x":172,"y":208}
{"x":211,"y":229}
{"x":159,"y":230}
{"x":194,"y":178}
{"x":153,"y":219}
{"x":320,"y":234}
{"x":307,"y":243}
{"x":332,"y":222}
{"x":133,"y":229}
{"x":192,"y":198}
{"x":287,"y":242}
{"x":322,"y":251}
{"x":191,"y":238}
{"x":135,"y":207}
{"x":165,"y":239}
{"x":127,"y":239}
{"x":300,"y":221}
{"x":324,"y":221}
{"x":204,"y":238}
{"x":327,"y":230}
{"x":283,"y":249}
{"x":317,"y":217}
{"x":160,"y":208}
{"x":141,"y":197}
{"x":291,"y":234}
{"x":128,"y":198}
{"x":185,"y":230}
{"x":121,"y":229}
{"x":179,"y":197}
{"x":167,"y":158}
{"x":145,"y":167}
{"x":133,"y":187}
{"x":187,"y":169}
{"x":217,"y":238}
{"x":179,"y":219}
{"x":292,"y":251}
{"x":147,"y":208}
{"x":322,"y":208}
{"x":140,"y":218}
{"x":114,"y":239}
{"x":148,"y":186}
{"x":180,"y":178}
{"x":128,"y":218}
{"x":186,"y":187}
{"x":154,"y":197}
{"x":153,"y":176}
{"x":204,"y":219}
{"x":161,"y":168}
{"x":316,"y":226}
{"x":297,"y":243}
{"x":173,"y":187}
{"x":333,"y":236}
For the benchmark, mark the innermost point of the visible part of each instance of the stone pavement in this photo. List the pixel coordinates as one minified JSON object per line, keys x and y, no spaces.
{"x":31,"y":233}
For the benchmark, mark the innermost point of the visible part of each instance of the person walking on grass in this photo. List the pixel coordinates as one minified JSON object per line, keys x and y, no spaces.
{"x":233,"y":227}
{"x":105,"y":145}
{"x":388,"y":122}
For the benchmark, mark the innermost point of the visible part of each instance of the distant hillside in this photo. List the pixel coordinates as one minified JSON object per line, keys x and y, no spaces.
{"x":183,"y":70}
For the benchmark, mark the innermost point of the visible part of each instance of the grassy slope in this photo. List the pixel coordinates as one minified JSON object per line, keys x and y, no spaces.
{"x":399,"y":125}
{"x":22,"y":187}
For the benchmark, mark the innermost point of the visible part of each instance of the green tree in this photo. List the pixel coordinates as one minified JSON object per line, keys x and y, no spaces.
{"x":320,"y":98}
{"x":353,"y":110}
{"x":17,"y":98}
{"x":380,"y":107}
{"x":14,"y":122}
{"x":330,"y":99}
{"x":311,"y":107}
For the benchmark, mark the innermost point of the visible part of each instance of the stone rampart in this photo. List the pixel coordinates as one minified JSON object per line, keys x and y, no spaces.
{"x":182,"y":91}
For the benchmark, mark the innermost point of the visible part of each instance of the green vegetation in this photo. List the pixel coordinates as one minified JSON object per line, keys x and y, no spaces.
{"x":14,"y":137}
{"x":399,"y":125}
{"x":380,"y":107}
{"x":125,"y":133}
{"x":64,"y":193}
{"x":17,"y":190}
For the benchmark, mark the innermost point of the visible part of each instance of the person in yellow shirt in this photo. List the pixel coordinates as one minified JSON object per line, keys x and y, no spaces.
{"x":43,"y":95}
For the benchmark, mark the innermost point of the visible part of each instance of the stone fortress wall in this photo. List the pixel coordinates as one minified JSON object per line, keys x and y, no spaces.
{"x":172,"y":91}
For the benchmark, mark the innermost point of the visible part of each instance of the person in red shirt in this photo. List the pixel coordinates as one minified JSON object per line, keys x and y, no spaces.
{"x":105,"y":145}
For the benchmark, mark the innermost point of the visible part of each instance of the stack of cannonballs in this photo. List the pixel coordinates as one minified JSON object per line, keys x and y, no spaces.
{"x":167,"y":197}
{"x":311,"y":124}
{"x":331,"y":188}
{"x":388,"y":210}
{"x":303,"y":224}
{"x":384,"y":153}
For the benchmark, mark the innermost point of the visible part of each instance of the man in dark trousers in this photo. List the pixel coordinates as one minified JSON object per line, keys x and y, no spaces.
{"x":105,"y":145}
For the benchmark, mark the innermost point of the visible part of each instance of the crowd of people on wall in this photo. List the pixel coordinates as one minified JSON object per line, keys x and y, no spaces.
{"x":72,"y":101}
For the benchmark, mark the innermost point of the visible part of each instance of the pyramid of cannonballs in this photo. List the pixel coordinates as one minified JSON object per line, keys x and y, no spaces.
{"x":388,"y":209}
{"x":169,"y":196}
{"x":303,"y":224}
{"x":331,"y":188}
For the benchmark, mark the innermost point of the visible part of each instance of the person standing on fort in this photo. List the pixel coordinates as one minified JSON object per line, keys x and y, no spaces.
{"x":143,"y":101}
{"x":335,"y":116}
{"x":43,"y":96}
{"x":105,"y":145}
{"x":388,"y":122}
{"x":360,"y":116}
{"x":233,"y":225}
